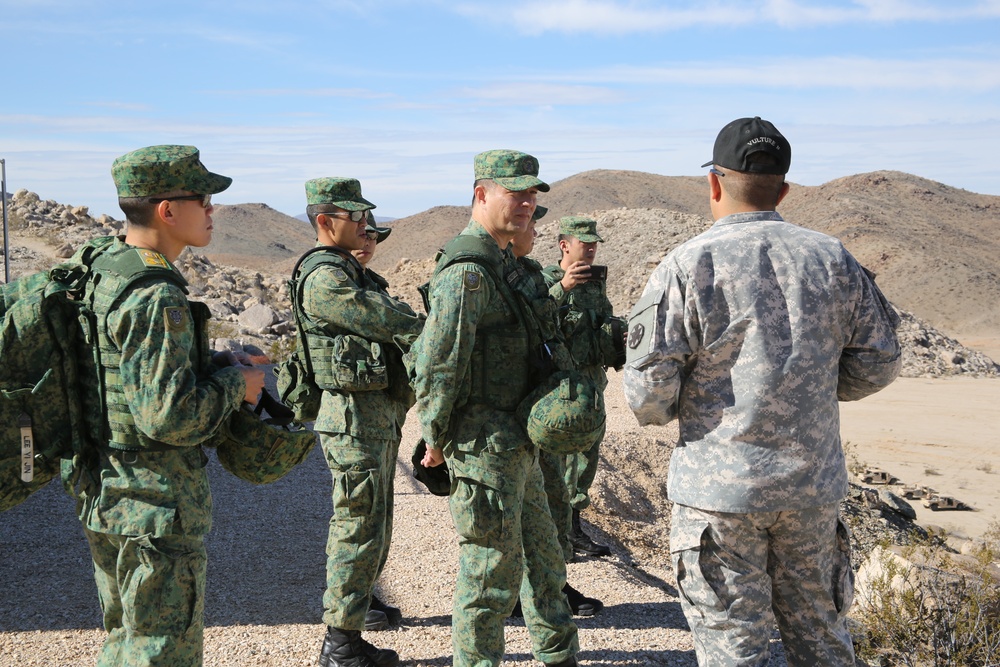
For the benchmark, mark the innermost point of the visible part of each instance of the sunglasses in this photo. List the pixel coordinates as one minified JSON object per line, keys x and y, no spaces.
{"x":713,"y":170}
{"x":206,"y":200}
{"x":353,"y":216}
{"x":371,"y":236}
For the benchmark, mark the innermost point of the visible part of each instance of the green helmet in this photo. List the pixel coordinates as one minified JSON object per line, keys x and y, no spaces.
{"x":565,"y":414}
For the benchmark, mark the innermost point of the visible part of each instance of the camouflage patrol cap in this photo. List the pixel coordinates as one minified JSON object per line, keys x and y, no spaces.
{"x":580,"y":227}
{"x":513,"y":170}
{"x":341,"y":192}
{"x":383,"y":232}
{"x":540,"y":212}
{"x":155,"y":170}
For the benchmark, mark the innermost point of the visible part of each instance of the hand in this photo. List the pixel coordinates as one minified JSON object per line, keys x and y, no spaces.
{"x":577,"y":274}
{"x":433,"y":458}
{"x":254,"y":378}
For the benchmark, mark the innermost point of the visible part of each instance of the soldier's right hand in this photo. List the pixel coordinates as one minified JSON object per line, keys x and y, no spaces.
{"x":576,"y":274}
{"x":254,"y":378}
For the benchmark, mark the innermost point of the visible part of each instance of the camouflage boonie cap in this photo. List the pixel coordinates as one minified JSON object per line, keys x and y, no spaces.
{"x":383,"y":232}
{"x":540,"y":212}
{"x":581,"y":227}
{"x":341,"y":192}
{"x":156,"y":170}
{"x":513,"y":170}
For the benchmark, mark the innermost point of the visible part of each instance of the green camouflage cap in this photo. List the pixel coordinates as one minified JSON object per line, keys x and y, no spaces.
{"x":513,"y":170}
{"x":156,"y":170}
{"x":581,"y":227}
{"x":341,"y":192}
{"x":383,"y":232}
{"x":540,"y":212}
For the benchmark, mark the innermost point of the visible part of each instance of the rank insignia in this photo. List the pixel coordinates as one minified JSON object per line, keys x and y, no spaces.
{"x":635,"y":335}
{"x":473,"y":281}
{"x":176,"y":318}
{"x":153,"y":258}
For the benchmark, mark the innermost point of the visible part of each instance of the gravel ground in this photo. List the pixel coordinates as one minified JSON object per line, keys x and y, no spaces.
{"x":266,"y":579}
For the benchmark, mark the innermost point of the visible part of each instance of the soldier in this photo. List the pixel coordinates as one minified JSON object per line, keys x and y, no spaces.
{"x":585,"y":314}
{"x":749,"y":334}
{"x":147,"y":520}
{"x":553,"y":466}
{"x":478,"y":357}
{"x":365,"y":395}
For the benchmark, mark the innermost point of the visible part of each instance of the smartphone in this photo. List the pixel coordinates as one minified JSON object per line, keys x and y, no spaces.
{"x":598,"y":272}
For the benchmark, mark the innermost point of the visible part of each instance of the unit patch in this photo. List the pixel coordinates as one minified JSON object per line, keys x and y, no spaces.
{"x":473,"y":281}
{"x":176,"y":318}
{"x":635,"y":335}
{"x":153,"y":258}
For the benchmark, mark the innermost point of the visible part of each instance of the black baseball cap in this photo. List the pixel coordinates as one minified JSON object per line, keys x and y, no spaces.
{"x":744,"y":137}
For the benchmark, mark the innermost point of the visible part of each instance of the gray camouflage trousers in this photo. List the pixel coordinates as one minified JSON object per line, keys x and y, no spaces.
{"x":735,"y":570}
{"x":505,"y":530}
{"x":361,"y":525}
{"x":152,"y":593}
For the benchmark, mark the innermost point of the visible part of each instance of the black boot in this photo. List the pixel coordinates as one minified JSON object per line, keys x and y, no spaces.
{"x":580,"y":604}
{"x":376,"y":620}
{"x":581,"y":541}
{"x":393,"y":615}
{"x":568,"y":662}
{"x":346,"y":648}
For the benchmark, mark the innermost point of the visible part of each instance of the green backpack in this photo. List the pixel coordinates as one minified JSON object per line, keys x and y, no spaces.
{"x":51,"y":401}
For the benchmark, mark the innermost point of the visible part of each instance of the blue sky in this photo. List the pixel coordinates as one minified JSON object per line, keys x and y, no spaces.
{"x":403,"y":93}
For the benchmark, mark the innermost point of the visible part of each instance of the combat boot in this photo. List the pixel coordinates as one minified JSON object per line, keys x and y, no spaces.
{"x":581,"y":541}
{"x":376,"y":620}
{"x":568,"y":662}
{"x":580,"y":604}
{"x":393,"y":615}
{"x":346,"y":648}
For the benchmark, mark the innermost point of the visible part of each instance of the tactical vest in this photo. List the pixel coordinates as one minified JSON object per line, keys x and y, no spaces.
{"x":114,"y":274}
{"x":510,"y":355}
{"x":338,"y":359}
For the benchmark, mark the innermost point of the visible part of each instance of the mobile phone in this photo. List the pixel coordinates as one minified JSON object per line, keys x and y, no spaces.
{"x":597,"y":272}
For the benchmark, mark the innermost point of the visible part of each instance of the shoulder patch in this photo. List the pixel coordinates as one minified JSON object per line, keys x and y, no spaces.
{"x":473,"y":281}
{"x":339,"y":274}
{"x":176,"y":318}
{"x":153,"y":258}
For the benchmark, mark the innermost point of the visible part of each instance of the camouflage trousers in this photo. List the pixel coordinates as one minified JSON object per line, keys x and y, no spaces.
{"x":507,"y":550}
{"x":553,"y":467}
{"x":581,"y":469}
{"x":152,"y":593}
{"x":739,"y":573}
{"x":361,"y":525}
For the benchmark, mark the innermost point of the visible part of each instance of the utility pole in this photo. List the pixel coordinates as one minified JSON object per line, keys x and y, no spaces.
{"x":6,"y":241}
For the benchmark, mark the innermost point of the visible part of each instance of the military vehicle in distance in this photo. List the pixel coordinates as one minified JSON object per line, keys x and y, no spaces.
{"x":914,"y":492}
{"x":937,"y":502}
{"x":876,"y":476}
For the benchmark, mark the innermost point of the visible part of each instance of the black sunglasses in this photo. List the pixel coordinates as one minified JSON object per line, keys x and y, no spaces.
{"x":206,"y":200}
{"x":354,"y":216}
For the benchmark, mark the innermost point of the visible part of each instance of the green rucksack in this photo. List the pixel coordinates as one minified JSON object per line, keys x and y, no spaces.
{"x":51,"y":401}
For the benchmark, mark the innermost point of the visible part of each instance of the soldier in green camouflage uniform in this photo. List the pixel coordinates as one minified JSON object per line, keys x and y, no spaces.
{"x":365,"y":397}
{"x":584,"y":312}
{"x":147,"y":521}
{"x":472,"y":367}
{"x":749,"y":334}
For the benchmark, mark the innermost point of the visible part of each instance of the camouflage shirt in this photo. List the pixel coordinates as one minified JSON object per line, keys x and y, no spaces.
{"x":582,"y":311}
{"x":748,"y":334}
{"x":162,"y":492}
{"x":343,"y":298}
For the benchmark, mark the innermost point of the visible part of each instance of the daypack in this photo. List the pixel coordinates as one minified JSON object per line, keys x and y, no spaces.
{"x":51,"y":400}
{"x":344,"y":362}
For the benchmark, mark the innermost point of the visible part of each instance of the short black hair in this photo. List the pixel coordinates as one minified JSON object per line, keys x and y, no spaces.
{"x":761,"y":191}
{"x":139,"y":211}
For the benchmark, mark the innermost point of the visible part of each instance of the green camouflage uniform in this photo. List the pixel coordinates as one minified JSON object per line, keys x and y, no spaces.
{"x":472,"y":368}
{"x":359,"y":430}
{"x":583,"y":311}
{"x":146,"y":523}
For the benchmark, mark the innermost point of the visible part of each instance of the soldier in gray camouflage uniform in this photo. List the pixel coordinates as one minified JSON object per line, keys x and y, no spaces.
{"x":147,"y":521}
{"x":472,"y":368}
{"x":365,"y":396}
{"x":584,"y":313}
{"x":749,"y":334}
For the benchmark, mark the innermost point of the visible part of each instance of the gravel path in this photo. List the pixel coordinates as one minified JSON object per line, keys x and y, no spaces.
{"x":266,"y":579}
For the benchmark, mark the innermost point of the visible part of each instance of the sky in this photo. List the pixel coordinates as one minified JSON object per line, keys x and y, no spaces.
{"x":402,"y":94}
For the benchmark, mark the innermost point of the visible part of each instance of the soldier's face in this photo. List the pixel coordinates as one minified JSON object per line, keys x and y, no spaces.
{"x":513,"y":210}
{"x":192,"y":222}
{"x":344,"y":232}
{"x":524,"y":241}
{"x":578,"y":251}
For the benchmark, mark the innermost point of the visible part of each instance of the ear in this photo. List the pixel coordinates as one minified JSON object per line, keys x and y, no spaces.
{"x":165,"y":212}
{"x":479,"y":194}
{"x":784,"y":191}
{"x":714,"y":187}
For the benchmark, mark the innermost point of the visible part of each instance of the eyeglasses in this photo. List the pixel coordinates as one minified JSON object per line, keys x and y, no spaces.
{"x":206,"y":200}
{"x":371,"y":236}
{"x":354,"y":216}
{"x":713,"y":170}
